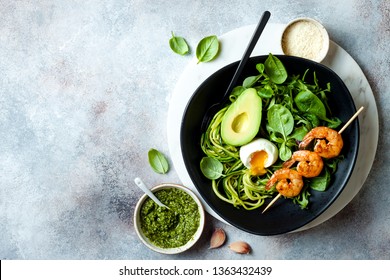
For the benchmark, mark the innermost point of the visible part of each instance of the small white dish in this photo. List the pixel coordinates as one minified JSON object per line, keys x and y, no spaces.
{"x":176,"y":250}
{"x":305,"y":37}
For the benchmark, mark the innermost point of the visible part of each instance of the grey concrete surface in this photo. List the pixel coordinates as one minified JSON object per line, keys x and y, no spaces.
{"x":83,"y":97}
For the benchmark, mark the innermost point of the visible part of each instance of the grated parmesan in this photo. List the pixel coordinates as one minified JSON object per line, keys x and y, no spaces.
{"x":304,"y":39}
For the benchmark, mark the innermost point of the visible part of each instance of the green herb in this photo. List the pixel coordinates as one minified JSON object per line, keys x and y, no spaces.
{"x":158,"y":161}
{"x":211,"y":168}
{"x":308,"y":102}
{"x":207,"y":49}
{"x":265,"y":92}
{"x":250,"y":81}
{"x":320,"y":183}
{"x":178,"y":45}
{"x":275,"y":69}
{"x":302,"y":199}
{"x":280,"y":120}
{"x":281,"y":123}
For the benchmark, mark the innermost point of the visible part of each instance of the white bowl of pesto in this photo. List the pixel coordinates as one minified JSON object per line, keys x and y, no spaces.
{"x":305,"y":37}
{"x":173,"y":230}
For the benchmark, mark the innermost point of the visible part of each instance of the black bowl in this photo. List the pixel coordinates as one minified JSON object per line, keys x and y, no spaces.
{"x":283,"y":216}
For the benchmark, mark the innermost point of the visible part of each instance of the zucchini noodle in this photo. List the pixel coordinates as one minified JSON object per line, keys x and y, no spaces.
{"x":237,"y":187}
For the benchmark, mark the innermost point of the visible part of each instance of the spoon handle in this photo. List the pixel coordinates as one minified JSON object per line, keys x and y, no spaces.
{"x":142,"y":186}
{"x":252,"y":43}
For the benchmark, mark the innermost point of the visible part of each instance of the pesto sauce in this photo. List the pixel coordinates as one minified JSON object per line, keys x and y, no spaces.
{"x":173,"y":227}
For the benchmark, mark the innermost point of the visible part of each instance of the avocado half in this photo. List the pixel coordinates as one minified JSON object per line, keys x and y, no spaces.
{"x":241,"y":122}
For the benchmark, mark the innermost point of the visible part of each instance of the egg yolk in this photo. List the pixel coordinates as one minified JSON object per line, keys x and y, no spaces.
{"x":257,"y":162}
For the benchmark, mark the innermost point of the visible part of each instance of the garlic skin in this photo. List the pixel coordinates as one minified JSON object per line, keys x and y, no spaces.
{"x":240,"y":247}
{"x":217,"y":238}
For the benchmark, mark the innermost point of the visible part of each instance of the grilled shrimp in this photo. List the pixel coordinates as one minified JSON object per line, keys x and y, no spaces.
{"x":288,"y":182}
{"x":329,"y":142}
{"x":310,"y":163}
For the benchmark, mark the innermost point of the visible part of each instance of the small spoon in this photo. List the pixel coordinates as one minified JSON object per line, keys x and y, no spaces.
{"x":142,"y":186}
{"x":252,"y":43}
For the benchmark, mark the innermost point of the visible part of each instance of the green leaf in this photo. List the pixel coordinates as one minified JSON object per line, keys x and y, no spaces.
{"x":320,"y":183}
{"x":285,"y":152}
{"x":275,"y":69}
{"x":178,"y":45}
{"x":309,"y":103}
{"x":265,"y":92}
{"x":299,"y":133}
{"x":250,"y":81}
{"x":280,"y":120}
{"x":302,"y":199}
{"x":260,"y":67}
{"x":211,"y":168}
{"x":158,"y":161}
{"x":236,"y":92}
{"x":207,"y":49}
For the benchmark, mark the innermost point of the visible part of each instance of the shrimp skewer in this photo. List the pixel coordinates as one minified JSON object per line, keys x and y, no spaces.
{"x":322,"y":146}
{"x":328,"y":144}
{"x":310,"y":164}
{"x":288,"y":182}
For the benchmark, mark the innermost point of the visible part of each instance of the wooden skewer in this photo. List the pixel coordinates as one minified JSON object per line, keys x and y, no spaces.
{"x":341,"y":130}
{"x":351,"y":119}
{"x":272,"y":202}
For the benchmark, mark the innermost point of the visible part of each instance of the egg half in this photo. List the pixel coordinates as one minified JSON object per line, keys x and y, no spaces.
{"x":258,"y":154}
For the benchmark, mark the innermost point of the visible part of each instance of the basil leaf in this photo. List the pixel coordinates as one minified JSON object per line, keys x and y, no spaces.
{"x":207,"y":49}
{"x":158,"y":161}
{"x":211,"y":168}
{"x":178,"y":45}
{"x":275,"y":70}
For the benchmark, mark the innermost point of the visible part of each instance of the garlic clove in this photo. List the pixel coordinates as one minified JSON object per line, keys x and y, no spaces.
{"x":240,"y":247}
{"x":217,"y":238}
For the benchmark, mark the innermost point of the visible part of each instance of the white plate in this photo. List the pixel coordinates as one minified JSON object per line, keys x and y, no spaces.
{"x":233,"y":45}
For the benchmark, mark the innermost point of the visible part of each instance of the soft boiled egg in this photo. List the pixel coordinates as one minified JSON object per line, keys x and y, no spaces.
{"x":258,"y":155}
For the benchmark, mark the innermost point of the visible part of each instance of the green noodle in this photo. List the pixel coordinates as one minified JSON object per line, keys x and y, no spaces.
{"x":237,"y":186}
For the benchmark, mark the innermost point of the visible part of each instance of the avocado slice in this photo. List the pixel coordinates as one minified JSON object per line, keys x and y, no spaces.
{"x":241,"y":122}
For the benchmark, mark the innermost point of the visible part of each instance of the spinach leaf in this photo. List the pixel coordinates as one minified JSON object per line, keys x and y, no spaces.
{"x":285,"y":152}
{"x":280,"y":120}
{"x":207,"y":49}
{"x":158,"y":161}
{"x":320,"y":183}
{"x":236,"y":92}
{"x":309,"y":103}
{"x":299,"y":133}
{"x":260,"y":67}
{"x":178,"y":45}
{"x":211,"y":168}
{"x":275,"y":69}
{"x":250,"y":81}
{"x":265,"y":91}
